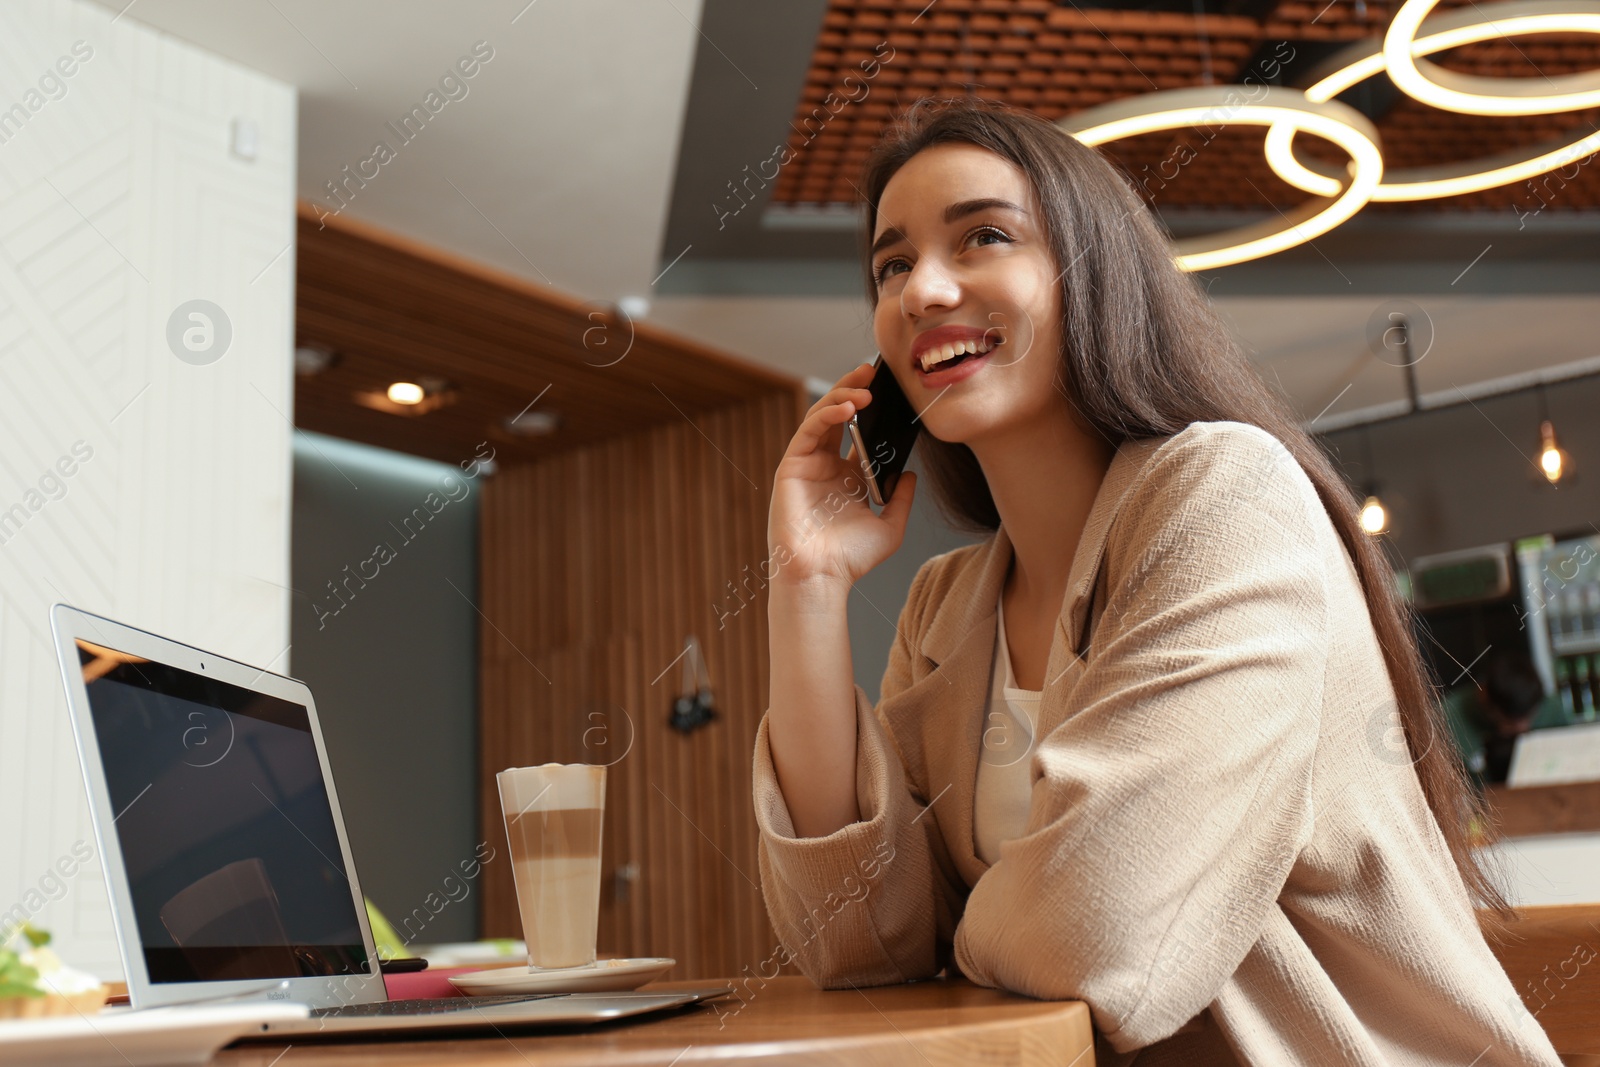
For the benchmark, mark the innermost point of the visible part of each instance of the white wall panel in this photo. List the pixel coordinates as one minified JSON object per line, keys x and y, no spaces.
{"x":119,"y":201}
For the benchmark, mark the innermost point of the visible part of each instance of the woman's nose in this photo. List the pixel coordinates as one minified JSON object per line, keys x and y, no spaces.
{"x":929,"y":287}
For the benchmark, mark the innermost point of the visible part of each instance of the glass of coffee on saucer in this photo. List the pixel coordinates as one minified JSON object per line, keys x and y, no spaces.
{"x":553,"y":822}
{"x":554,"y":814}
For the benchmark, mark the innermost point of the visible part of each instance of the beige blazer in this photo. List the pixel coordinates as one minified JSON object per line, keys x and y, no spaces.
{"x":1228,"y":855}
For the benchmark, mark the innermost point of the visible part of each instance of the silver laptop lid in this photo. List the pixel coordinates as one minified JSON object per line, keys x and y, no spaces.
{"x":213,"y":805}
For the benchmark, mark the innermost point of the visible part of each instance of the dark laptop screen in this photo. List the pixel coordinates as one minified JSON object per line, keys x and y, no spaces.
{"x":226,"y":832}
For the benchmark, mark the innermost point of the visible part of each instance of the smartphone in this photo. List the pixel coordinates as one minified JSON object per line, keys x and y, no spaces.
{"x":883,"y":433}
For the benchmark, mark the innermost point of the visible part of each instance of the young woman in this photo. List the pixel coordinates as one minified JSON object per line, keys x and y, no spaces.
{"x":1163,"y":742}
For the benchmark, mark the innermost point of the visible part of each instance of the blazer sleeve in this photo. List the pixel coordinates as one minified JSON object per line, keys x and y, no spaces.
{"x":1170,"y":805}
{"x":873,"y":903}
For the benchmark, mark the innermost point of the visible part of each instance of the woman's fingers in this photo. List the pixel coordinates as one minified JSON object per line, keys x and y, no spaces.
{"x":818,"y":427}
{"x":898,"y":510}
{"x":823,"y":425}
{"x":861,"y":372}
{"x":850,"y":386}
{"x":835,"y":435}
{"x":859,"y":397}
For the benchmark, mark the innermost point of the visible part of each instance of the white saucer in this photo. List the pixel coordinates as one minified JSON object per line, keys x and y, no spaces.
{"x":602,"y":976}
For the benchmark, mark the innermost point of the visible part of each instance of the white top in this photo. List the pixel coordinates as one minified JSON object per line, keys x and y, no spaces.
{"x":1000,"y":803}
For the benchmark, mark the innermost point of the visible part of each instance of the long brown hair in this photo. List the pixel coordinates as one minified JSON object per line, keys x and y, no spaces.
{"x":1144,"y":355}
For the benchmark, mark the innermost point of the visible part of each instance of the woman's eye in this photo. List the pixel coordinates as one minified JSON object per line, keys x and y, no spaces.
{"x":981,"y":232}
{"x":887,"y":270}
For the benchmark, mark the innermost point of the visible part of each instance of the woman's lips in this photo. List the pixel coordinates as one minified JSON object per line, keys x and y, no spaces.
{"x":944,"y":377}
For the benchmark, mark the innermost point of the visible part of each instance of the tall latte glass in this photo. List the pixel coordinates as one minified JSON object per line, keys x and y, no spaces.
{"x":553,"y":814}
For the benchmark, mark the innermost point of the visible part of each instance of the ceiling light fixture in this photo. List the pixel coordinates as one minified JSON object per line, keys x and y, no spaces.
{"x":533,"y":423}
{"x":408,"y":393}
{"x":1374,"y":519}
{"x":426,"y":393}
{"x":313,"y":359}
{"x":1344,"y":191}
{"x":1219,"y":105}
{"x":1553,"y":460}
{"x":1374,"y":516}
{"x":1467,"y":26}
{"x":1473,"y":95}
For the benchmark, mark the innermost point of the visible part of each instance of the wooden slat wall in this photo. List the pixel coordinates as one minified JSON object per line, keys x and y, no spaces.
{"x":595,"y":567}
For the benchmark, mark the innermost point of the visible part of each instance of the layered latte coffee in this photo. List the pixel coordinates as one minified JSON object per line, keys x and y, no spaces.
{"x":553,"y":823}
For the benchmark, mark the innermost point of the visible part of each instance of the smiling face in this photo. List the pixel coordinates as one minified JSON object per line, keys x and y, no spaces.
{"x":969,"y":306}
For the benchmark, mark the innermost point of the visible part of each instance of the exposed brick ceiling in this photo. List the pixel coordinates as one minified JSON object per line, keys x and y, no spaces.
{"x":1058,"y":59}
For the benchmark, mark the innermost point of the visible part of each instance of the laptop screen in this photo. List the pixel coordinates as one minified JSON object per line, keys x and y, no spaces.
{"x":227,"y":836}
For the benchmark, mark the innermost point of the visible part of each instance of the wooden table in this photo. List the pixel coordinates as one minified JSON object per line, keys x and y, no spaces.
{"x":1544,"y":954}
{"x":1569,"y":807}
{"x":786,"y":1021}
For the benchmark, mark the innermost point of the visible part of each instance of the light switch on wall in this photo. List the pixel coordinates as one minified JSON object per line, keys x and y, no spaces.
{"x":245,"y":142}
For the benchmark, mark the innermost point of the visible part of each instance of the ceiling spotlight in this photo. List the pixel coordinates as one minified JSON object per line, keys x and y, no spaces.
{"x":419,"y":397}
{"x":1374,"y":518}
{"x":533,"y":423}
{"x":313,"y":359}
{"x":406,"y":393}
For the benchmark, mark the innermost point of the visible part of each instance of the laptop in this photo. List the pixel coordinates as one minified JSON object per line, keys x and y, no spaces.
{"x":225,"y":855}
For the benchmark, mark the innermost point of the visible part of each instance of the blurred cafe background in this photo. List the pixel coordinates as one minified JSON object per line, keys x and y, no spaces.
{"x":441,"y":355}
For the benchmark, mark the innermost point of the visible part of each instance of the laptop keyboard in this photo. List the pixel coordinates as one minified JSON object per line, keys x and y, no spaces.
{"x":424,"y":1006}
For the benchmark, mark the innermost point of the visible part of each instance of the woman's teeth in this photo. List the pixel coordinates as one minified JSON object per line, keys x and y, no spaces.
{"x":950,"y":350}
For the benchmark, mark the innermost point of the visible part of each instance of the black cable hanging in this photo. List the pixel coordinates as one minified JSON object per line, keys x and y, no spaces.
{"x":1369,"y":483}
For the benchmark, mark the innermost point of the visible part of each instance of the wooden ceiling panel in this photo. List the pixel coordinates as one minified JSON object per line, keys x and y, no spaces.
{"x":1060,"y":58}
{"x":394,"y":310}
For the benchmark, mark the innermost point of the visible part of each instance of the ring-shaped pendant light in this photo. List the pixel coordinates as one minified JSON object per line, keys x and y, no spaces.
{"x":1473,"y":95}
{"x":1218,"y":105}
{"x":1366,"y":59}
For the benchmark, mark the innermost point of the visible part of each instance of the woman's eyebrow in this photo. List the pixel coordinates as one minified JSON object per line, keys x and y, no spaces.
{"x":959,"y":210}
{"x":972,"y":207}
{"x":888,"y":237}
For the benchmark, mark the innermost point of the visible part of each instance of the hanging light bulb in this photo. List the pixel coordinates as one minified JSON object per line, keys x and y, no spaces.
{"x":1374,"y":517}
{"x":1552,"y":460}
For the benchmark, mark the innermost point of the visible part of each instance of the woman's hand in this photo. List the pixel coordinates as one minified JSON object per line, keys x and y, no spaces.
{"x":823,"y":535}
{"x":821,"y":525}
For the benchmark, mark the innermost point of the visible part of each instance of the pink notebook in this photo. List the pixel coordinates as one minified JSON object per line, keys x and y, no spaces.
{"x":431,"y":983}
